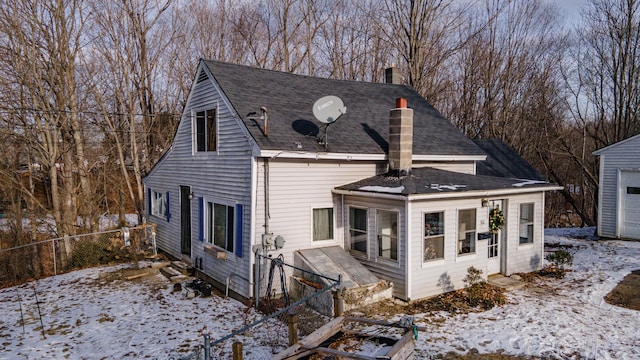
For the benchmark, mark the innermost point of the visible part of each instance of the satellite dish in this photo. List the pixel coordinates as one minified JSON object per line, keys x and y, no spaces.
{"x":328,"y":109}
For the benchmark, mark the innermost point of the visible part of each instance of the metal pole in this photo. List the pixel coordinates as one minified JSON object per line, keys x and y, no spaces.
{"x":207,"y":347}
{"x":53,"y":246}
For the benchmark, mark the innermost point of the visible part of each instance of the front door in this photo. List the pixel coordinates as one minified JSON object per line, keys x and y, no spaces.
{"x":494,"y":247}
{"x":185,"y":220}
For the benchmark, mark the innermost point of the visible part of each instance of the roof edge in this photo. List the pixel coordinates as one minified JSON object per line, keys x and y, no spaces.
{"x":359,"y":156}
{"x":609,"y":147}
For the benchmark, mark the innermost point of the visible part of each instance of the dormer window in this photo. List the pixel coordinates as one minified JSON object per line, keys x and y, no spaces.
{"x":206,"y":130}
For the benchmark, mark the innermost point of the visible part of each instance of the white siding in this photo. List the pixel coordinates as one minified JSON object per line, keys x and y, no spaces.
{"x":433,"y":277}
{"x":625,"y":155}
{"x":383,"y":268}
{"x":223,"y":176}
{"x":525,"y":257}
{"x":295,"y":189}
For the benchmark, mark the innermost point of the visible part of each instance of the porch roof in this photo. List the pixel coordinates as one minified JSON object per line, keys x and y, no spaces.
{"x":430,"y":181}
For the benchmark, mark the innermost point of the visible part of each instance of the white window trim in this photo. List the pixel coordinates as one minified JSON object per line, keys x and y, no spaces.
{"x":377,"y":257}
{"x":207,"y":222}
{"x":470,"y":255}
{"x":444,"y":241}
{"x":194,"y":131}
{"x":334,"y":232}
{"x":348,"y":227}
{"x":533,"y":224}
{"x":156,"y":205}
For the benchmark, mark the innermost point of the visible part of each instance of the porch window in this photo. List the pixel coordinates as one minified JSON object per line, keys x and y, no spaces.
{"x":433,"y":236}
{"x":220,"y":225}
{"x":358,"y":229}
{"x":158,"y":203}
{"x":467,"y":231}
{"x":526,"y":223}
{"x":387,"y":223}
{"x":206,"y":130}
{"x":322,"y":224}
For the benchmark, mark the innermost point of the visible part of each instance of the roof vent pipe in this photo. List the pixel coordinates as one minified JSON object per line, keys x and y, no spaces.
{"x":263,"y":110}
{"x":400,"y":138}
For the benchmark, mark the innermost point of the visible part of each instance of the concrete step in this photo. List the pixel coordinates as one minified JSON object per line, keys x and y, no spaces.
{"x":504,"y":282}
{"x":183,"y":268}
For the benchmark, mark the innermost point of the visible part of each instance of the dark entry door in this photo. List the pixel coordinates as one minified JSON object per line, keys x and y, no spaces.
{"x":185,"y":220}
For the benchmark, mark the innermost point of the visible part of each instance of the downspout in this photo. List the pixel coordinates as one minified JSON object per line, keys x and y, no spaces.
{"x":266,"y":196}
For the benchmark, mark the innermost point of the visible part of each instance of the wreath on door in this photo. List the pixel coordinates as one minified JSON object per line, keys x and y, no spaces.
{"x":496,"y":220}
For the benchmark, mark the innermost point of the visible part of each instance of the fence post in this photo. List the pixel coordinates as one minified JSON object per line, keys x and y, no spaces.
{"x":338,"y":303}
{"x":237,"y":350}
{"x":293,"y":329}
{"x":207,"y":347}
{"x":55,"y":268}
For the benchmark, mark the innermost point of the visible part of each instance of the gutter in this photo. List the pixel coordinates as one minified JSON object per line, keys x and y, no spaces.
{"x":444,"y":195}
{"x":287,"y":154}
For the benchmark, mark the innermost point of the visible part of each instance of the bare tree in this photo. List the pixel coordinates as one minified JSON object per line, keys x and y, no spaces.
{"x":41,"y":43}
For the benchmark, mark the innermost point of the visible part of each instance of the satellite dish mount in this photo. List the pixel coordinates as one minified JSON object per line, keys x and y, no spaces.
{"x":327,"y":110}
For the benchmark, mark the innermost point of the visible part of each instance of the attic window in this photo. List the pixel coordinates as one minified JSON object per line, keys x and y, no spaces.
{"x":206,"y":130}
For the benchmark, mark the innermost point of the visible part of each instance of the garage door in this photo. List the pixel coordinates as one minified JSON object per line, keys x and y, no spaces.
{"x":630,"y":205}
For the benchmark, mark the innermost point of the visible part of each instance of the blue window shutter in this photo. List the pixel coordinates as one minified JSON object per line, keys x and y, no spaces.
{"x":239,"y":226}
{"x":168,"y":214}
{"x":149,"y":201}
{"x":201,"y":217}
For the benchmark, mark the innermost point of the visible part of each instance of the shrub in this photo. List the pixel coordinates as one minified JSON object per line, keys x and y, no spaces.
{"x":479,"y":293}
{"x":560,"y":258}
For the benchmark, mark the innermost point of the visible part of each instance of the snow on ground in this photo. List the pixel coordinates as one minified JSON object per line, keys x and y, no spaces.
{"x":88,"y":314}
{"x":557,"y":319}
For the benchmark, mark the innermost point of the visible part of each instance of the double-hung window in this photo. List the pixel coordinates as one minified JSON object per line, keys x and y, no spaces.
{"x":358,"y":229}
{"x":526,"y":223}
{"x":387,"y":224}
{"x":220,"y":225}
{"x":433,"y":236}
{"x":323,"y":224}
{"x":467,"y":231}
{"x":206,"y":130}
{"x":158,"y":203}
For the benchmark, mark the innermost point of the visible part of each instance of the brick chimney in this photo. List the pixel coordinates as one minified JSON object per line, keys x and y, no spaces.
{"x":400,"y":138}
{"x":392,"y":75}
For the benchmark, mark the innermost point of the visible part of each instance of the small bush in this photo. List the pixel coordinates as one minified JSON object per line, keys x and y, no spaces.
{"x":474,"y":276}
{"x":479,"y":293}
{"x":560,"y":258}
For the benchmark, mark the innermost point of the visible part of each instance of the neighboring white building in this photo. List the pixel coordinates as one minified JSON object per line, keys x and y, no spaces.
{"x":619,"y":190}
{"x":249,"y":159}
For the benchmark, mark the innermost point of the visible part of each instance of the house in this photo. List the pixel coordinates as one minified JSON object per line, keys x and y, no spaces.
{"x":619,"y":190}
{"x":391,"y":181}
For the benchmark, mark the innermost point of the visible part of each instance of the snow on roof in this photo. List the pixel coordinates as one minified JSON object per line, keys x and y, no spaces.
{"x":441,"y":187}
{"x":383,"y":189}
{"x":528,"y":182}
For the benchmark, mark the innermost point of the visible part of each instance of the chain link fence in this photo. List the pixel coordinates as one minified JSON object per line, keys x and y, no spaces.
{"x":286,"y":292}
{"x":40,"y":259}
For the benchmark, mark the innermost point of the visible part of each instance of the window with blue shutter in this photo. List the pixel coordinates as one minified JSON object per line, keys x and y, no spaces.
{"x":201,"y":217}
{"x":168,"y":209}
{"x":149,"y":201}
{"x":239,"y":226}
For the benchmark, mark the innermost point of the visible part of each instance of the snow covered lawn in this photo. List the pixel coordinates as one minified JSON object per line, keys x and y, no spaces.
{"x":98,"y":314}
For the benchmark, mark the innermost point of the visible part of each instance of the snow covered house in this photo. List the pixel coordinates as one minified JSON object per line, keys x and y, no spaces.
{"x":392,"y":182}
{"x":619,"y":189}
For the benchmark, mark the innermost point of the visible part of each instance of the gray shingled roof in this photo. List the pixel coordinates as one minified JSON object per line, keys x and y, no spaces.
{"x":503,"y":161}
{"x":289,"y":99}
{"x":435,"y":181}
